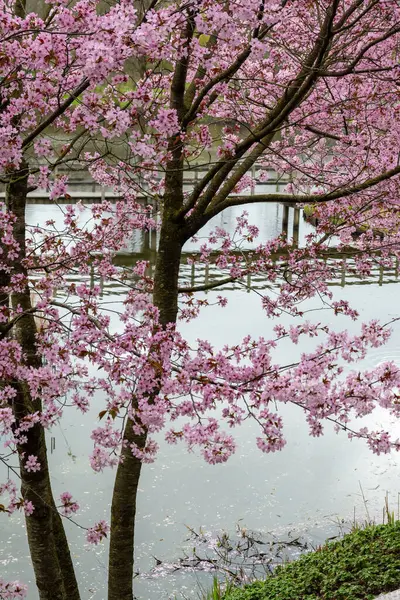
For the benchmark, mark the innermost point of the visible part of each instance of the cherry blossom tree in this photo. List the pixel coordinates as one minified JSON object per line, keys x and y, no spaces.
{"x":141,"y":95}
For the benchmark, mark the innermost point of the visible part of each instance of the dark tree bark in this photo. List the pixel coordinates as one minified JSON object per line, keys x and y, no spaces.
{"x":123,"y":512}
{"x":165,"y":297}
{"x":54,"y":573}
{"x":123,"y":509}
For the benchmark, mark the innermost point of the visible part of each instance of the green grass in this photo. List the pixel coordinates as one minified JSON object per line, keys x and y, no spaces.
{"x":362,"y":565}
{"x":216,"y":592}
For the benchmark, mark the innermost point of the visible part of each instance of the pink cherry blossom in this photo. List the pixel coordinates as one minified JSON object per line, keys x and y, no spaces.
{"x":69,"y":506}
{"x":12,"y":590}
{"x":97,"y":533}
{"x":32,"y":464}
{"x":303,"y":94}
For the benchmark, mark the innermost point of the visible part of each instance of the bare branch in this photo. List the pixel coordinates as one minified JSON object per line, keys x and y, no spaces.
{"x":300,"y":199}
{"x":324,"y":134}
{"x":350,"y":68}
{"x":208,"y":286}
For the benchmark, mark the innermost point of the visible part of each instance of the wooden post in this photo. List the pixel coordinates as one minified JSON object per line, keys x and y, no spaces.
{"x":285,"y":219}
{"x":380,"y":281}
{"x":296,"y":227}
{"x":192,"y":275}
{"x":146,"y":241}
{"x":153,"y":239}
{"x":343,"y":278}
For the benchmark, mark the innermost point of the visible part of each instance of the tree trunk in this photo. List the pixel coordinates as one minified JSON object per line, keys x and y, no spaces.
{"x":54,"y":573}
{"x":123,"y":509}
{"x":123,"y":512}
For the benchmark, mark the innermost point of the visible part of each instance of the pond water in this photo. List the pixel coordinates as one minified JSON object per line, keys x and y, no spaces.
{"x":304,"y":488}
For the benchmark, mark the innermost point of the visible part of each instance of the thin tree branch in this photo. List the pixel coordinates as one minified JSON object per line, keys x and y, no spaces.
{"x":292,"y":98}
{"x":300,"y":199}
{"x":350,"y":68}
{"x":57,"y":113}
{"x":208,"y":286}
{"x":324,"y":134}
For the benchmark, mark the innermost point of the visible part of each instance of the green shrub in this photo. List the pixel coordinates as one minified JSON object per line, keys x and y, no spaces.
{"x":361,"y":566}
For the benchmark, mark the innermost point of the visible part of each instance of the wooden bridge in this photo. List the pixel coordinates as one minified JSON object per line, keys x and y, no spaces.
{"x":194,"y":274}
{"x":82,"y":187}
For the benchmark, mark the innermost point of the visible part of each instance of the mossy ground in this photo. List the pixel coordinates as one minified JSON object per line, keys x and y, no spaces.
{"x":364,"y":564}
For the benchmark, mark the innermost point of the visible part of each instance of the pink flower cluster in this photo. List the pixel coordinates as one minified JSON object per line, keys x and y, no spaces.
{"x":12,"y":590}
{"x":69,"y":506}
{"x":32,"y":464}
{"x":97,"y":533}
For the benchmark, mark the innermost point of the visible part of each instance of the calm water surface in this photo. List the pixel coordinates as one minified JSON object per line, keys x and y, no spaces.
{"x":305,"y":488}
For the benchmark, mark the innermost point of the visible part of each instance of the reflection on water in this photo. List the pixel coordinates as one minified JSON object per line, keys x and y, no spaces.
{"x":305,"y":487}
